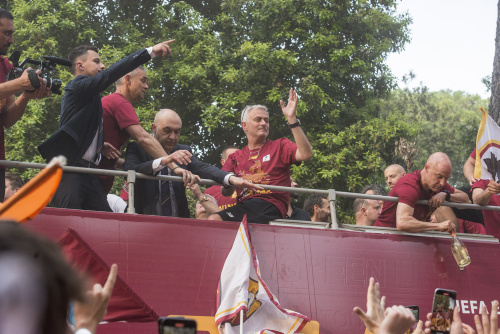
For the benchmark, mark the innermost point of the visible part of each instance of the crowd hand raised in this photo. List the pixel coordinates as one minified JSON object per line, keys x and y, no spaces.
{"x":109,"y":151}
{"x":290,"y":110}
{"x":89,"y":314}
{"x":488,"y":326}
{"x":240,"y":182}
{"x":163,"y":48}
{"x":195,"y":189}
{"x":182,"y":157}
{"x":398,"y":319}
{"x":374,"y":308}
{"x":420,"y":328}
{"x":456,"y":326}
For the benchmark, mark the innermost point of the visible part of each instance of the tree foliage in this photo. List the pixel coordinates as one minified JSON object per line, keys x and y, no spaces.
{"x":494,"y":82}
{"x":230,"y":53}
{"x":446,"y":122}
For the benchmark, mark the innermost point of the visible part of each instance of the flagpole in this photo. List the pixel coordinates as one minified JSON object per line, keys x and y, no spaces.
{"x":241,"y":321}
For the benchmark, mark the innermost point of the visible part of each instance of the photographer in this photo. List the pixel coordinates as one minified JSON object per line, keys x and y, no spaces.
{"x":12,"y":109}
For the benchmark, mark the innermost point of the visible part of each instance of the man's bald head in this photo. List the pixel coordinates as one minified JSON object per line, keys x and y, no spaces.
{"x":164,"y":114}
{"x":436,"y":172}
{"x":439,"y":159}
{"x":167,"y":128}
{"x":392,"y":174}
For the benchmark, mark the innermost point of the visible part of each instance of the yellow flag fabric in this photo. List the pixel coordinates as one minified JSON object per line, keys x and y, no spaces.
{"x":487,"y":164}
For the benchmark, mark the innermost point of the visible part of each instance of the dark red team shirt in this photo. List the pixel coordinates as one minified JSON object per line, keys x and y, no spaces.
{"x":491,"y":218}
{"x":409,"y":189}
{"x":270,"y":167}
{"x":118,"y":113}
{"x":222,"y":201}
{"x":5,"y":67}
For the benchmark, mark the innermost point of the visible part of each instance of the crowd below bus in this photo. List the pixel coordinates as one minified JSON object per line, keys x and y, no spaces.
{"x":39,"y":286}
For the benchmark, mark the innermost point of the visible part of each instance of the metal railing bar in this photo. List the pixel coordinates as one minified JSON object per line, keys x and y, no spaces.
{"x":19,"y":164}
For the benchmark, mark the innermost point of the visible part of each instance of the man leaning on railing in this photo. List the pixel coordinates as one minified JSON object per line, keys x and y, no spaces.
{"x":430,"y":184}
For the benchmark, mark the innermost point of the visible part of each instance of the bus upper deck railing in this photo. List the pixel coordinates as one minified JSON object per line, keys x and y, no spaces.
{"x":331,"y":193}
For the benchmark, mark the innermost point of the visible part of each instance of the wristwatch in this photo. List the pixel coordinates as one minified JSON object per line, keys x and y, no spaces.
{"x":294,"y":125}
{"x":204,"y":199}
{"x":448,"y":195}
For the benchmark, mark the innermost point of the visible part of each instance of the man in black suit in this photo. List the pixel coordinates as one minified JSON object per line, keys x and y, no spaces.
{"x":166,"y":198}
{"x":80,"y":137}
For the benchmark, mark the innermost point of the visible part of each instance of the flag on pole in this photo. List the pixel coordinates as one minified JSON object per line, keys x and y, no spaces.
{"x":487,"y":149}
{"x":241,"y":288}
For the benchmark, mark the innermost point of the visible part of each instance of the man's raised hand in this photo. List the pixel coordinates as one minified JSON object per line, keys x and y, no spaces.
{"x":290,"y":110}
{"x":163,"y":48}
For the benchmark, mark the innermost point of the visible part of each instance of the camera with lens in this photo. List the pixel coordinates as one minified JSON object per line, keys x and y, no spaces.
{"x":46,"y":66}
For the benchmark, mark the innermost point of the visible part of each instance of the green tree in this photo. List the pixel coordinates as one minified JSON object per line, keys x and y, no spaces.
{"x":447,"y":122}
{"x":230,"y":53}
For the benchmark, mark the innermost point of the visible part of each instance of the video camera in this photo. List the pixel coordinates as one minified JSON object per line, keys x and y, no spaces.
{"x":46,"y":65}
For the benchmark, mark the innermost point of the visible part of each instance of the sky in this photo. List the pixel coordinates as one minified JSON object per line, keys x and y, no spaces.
{"x":452,"y":44}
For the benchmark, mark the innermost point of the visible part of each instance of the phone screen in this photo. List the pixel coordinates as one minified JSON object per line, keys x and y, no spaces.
{"x":415,"y":310}
{"x":176,"y":326}
{"x":178,"y":330}
{"x":442,"y":311}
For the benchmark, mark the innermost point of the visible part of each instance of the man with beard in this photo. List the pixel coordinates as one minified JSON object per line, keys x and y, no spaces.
{"x":12,"y":109}
{"x":318,"y":208}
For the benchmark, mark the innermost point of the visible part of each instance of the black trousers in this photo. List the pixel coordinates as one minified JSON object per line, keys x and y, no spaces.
{"x":2,"y":184}
{"x":80,"y":191}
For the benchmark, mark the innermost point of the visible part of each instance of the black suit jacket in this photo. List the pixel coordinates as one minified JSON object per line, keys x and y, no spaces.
{"x":81,"y":109}
{"x":147,"y":191}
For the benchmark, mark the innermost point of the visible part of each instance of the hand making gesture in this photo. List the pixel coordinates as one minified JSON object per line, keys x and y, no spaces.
{"x":290,"y":111}
{"x":163,"y":48}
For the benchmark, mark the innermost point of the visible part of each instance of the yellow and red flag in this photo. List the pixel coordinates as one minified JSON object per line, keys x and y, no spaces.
{"x":241,"y":288}
{"x":487,"y":165}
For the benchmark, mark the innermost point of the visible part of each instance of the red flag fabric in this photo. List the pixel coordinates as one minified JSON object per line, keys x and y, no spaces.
{"x":125,"y":304}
